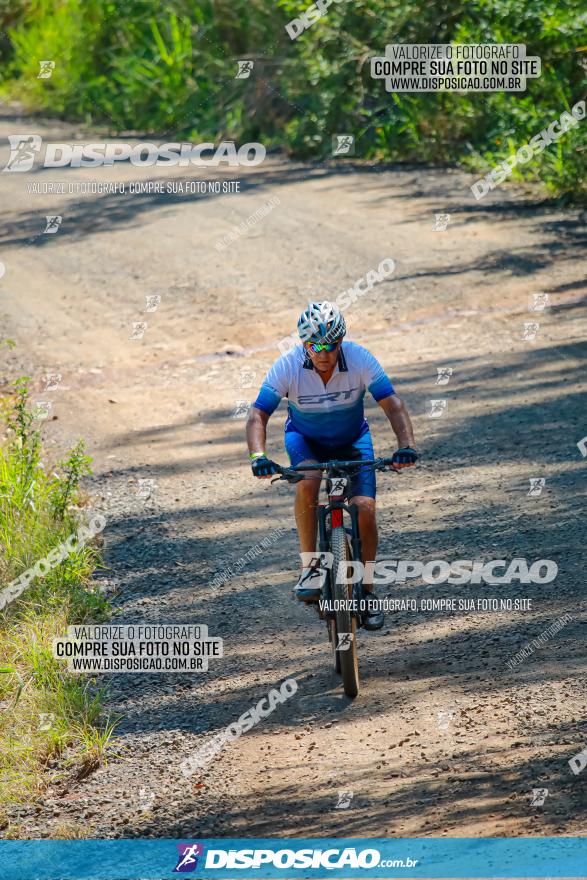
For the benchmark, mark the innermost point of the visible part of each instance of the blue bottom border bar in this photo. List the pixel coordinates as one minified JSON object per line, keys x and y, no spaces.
{"x":294,"y":858}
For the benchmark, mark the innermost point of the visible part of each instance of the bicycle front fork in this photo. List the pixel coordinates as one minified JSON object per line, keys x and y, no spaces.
{"x":355,"y":541}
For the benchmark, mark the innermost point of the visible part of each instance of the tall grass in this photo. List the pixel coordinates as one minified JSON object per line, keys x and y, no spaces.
{"x":171,"y":68}
{"x":46,"y":711}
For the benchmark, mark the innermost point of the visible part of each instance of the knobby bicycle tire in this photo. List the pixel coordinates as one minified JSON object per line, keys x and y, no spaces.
{"x":345,"y":621}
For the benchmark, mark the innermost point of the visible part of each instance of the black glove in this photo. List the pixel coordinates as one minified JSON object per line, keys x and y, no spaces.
{"x":405,"y":456}
{"x":264,"y":467}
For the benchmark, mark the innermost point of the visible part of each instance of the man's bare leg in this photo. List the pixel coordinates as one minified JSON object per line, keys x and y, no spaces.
{"x":373,"y":617}
{"x":369,"y":535}
{"x":307,"y":492}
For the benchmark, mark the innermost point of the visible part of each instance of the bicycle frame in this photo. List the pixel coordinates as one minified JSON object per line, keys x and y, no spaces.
{"x":337,"y":489}
{"x":337,"y":475}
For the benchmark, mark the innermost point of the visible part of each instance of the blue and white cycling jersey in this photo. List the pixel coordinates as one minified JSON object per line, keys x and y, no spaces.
{"x":331,"y":413}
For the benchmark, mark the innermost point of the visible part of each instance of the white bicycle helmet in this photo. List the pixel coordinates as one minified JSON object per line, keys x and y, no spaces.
{"x":321,"y":322}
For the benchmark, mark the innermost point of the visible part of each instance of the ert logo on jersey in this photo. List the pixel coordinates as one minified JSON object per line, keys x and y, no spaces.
{"x":323,"y":398}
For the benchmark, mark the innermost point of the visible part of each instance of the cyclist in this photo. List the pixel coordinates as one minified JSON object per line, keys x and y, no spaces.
{"x":325,"y":379}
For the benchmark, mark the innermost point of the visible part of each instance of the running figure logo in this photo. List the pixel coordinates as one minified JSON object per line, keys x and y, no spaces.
{"x":138,"y":329}
{"x":344,"y":800}
{"x":247,"y":378}
{"x":188,"y":857}
{"x":46,"y":720}
{"x":345,"y":641}
{"x":43,"y":409}
{"x":537,"y":484}
{"x":46,"y":69}
{"x":22,"y":151}
{"x":539,"y":302}
{"x":444,"y":719}
{"x":539,"y":795}
{"x":241,"y":409}
{"x":53,"y":223}
{"x":343,"y":145}
{"x":530,"y":330}
{"x":318,"y":565}
{"x":52,"y":381}
{"x":437,"y":408}
{"x":441,"y":222}
{"x":444,"y":374}
{"x":152,"y":301}
{"x":244,"y":69}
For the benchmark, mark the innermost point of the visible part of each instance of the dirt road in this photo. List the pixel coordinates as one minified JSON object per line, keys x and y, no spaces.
{"x":445,"y":738}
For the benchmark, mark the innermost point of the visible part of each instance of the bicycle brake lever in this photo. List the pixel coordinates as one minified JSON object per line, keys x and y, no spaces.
{"x":290,"y":477}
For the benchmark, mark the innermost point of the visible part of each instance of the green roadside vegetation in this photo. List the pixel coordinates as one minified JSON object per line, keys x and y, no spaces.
{"x":170,"y":68}
{"x":51,"y":722}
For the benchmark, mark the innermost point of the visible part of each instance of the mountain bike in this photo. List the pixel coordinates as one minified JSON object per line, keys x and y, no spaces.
{"x":341,"y":604}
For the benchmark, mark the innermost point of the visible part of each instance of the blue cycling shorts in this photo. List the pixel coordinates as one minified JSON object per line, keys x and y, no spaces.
{"x":300,"y":448}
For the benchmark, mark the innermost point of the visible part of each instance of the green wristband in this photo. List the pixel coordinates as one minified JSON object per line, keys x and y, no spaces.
{"x":254,"y":455}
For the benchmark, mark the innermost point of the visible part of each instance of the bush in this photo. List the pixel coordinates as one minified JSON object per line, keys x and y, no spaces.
{"x":50,"y":710}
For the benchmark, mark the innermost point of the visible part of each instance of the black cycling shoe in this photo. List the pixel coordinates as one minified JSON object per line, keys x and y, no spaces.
{"x":371,"y":616}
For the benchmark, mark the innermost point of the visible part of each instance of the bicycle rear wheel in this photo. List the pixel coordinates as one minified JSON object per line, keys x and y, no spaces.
{"x":346,"y":622}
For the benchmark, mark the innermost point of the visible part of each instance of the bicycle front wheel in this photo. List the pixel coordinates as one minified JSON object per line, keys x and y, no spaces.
{"x":346,"y":622}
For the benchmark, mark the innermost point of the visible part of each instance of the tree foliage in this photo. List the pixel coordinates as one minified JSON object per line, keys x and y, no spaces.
{"x":170,"y":68}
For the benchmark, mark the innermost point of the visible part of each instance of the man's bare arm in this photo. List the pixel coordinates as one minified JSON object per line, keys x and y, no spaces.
{"x":257,"y":430}
{"x":399,"y":419}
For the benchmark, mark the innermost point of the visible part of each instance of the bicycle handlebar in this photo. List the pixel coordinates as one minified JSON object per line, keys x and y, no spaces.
{"x":375,"y":463}
{"x":293,"y":475}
